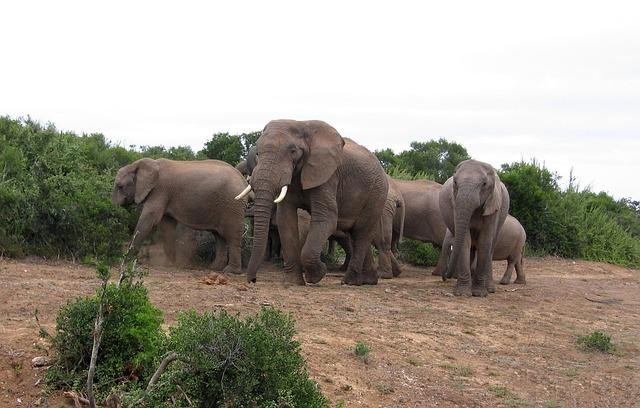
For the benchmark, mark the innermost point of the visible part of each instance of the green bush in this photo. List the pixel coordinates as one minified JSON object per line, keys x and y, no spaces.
{"x":132,"y":339}
{"x":225,"y":361}
{"x":418,"y":253}
{"x":362,"y":350}
{"x":571,"y":223}
{"x":597,"y":341}
{"x":55,"y":190}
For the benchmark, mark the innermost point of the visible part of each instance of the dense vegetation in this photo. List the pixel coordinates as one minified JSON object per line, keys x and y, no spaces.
{"x":55,"y":196}
{"x":216,"y":359}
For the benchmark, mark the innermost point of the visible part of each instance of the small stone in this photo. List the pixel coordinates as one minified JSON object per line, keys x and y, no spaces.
{"x":40,"y":361}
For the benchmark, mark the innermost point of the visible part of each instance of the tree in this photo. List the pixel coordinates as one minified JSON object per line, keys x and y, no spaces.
{"x":249,"y":140}
{"x":225,"y":147}
{"x":439,"y":158}
{"x":387,"y":158}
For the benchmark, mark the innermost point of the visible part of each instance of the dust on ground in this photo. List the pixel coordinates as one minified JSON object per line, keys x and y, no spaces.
{"x":515,"y":348}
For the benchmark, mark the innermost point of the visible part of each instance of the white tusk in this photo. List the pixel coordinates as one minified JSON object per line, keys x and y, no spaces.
{"x":281,"y":196}
{"x":244,"y":192}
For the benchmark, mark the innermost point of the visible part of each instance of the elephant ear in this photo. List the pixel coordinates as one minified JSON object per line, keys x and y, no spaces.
{"x":325,"y":152}
{"x":146,"y":178}
{"x":494,"y":201}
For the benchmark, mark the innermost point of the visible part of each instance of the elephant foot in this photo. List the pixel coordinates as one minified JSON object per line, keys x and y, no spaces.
{"x":218,"y":265}
{"x":370,"y":279}
{"x":504,"y":281}
{"x":462,"y":289}
{"x":230,"y":269}
{"x":436,"y":272}
{"x":520,"y":281}
{"x":293,"y":278}
{"x":479,"y":291}
{"x":491,"y":286}
{"x":396,"y":271}
{"x":315,"y":273}
{"x":352,"y":278}
{"x":344,"y":267}
{"x":385,"y":274}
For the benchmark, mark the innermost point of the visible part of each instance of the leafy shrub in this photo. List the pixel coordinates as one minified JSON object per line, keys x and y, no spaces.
{"x":418,"y":253}
{"x":534,"y":192}
{"x":131,"y":341}
{"x":227,"y":361}
{"x":55,"y":192}
{"x":597,"y":341}
{"x":362,"y":350}
{"x":571,"y":223}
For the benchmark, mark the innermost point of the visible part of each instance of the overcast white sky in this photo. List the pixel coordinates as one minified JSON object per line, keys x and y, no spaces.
{"x":509,"y":80}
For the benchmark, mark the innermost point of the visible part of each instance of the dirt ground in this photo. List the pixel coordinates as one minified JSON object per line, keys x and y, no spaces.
{"x":515,"y":348}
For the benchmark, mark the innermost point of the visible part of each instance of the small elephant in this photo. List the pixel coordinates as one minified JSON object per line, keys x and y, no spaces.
{"x":309,"y":165}
{"x":509,"y":247}
{"x":422,"y":208}
{"x":474,"y":204}
{"x":198,"y":194}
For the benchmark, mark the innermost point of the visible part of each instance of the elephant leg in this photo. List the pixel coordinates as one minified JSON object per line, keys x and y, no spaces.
{"x":369,"y":275}
{"x":463,"y":283}
{"x":320,"y":229}
{"x":221,"y":252}
{"x":149,"y":218}
{"x":520,"y":276}
{"x":382,"y":242}
{"x":287,"y":220}
{"x":445,"y":253}
{"x":233,"y":237}
{"x":482,"y":276}
{"x":167,"y":227}
{"x":345,"y":243}
{"x":396,"y":268}
{"x":356,"y":273}
{"x":506,"y":278}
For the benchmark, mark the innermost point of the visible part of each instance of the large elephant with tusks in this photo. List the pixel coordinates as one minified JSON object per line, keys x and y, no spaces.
{"x":309,"y":165}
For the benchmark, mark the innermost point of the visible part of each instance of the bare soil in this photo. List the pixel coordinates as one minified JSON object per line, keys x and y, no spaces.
{"x":515,"y":348}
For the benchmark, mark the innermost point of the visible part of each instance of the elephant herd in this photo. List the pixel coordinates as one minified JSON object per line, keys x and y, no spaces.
{"x":310,"y":184}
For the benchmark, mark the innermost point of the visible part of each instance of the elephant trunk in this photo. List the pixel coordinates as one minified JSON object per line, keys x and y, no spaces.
{"x":464,"y":209}
{"x":263,"y":205}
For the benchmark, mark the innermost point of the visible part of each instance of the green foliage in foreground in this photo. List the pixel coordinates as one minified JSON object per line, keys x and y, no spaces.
{"x":132,"y":339}
{"x":225,"y":361}
{"x":597,"y":341}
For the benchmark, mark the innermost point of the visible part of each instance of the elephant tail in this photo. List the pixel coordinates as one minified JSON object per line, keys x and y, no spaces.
{"x":402,"y":209}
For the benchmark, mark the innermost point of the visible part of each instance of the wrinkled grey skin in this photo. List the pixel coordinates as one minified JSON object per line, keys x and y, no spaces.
{"x":474,"y":204}
{"x":274,"y":246}
{"x":198,"y":194}
{"x":509,"y":247}
{"x":340,"y":183}
{"x":422,"y":208}
{"x":393,"y":214}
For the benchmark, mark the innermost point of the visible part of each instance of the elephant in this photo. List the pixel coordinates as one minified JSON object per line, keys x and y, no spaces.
{"x":309,"y":165}
{"x":509,"y":247}
{"x":247,"y":165}
{"x":474,"y":204}
{"x":197,"y":194}
{"x":422,"y":207}
{"x":392,"y":217}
